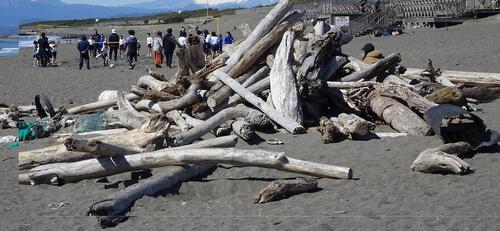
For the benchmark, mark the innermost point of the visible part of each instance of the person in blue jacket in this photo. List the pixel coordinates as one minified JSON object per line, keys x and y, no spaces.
{"x":229,"y":38}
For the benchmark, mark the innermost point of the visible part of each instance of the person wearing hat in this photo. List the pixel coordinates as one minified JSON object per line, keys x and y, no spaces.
{"x":371,"y":55}
{"x":114,"y":43}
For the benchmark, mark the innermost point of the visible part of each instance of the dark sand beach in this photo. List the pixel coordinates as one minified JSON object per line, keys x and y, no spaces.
{"x":386,"y":195}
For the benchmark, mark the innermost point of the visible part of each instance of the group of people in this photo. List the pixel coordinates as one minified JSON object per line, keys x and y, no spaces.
{"x":363,"y":4}
{"x":45,"y":52}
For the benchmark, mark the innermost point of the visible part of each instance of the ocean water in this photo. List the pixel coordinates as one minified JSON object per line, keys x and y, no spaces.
{"x":9,"y":47}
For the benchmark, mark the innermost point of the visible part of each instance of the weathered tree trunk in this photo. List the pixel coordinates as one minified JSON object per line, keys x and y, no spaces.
{"x":189,"y":98}
{"x":150,"y":82}
{"x":355,"y":125}
{"x":287,"y":123}
{"x":156,"y":75}
{"x":126,"y":114}
{"x":279,"y":189}
{"x":97,"y":148}
{"x":470,"y":78}
{"x":111,"y":211}
{"x":102,"y":167}
{"x":350,"y":85}
{"x":182,"y":61}
{"x":250,"y":115}
{"x":265,"y":25}
{"x":101,"y":105}
{"x":397,"y":115}
{"x":197,"y":57}
{"x":439,"y":160}
{"x":412,"y":99}
{"x":243,"y":129}
{"x":283,"y":86}
{"x":153,"y":94}
{"x":374,"y":70}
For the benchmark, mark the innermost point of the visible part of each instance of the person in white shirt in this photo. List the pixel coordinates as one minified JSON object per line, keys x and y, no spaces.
{"x":149,"y":42}
{"x":53,"y":48}
{"x":92,"y":46}
{"x":105,"y":54}
{"x":214,"y":44}
{"x":122,"y":45}
{"x":182,"y":40}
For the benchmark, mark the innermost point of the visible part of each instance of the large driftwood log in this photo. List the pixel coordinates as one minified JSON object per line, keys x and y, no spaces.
{"x":439,"y":160}
{"x":374,"y":70}
{"x":471,"y":78}
{"x":153,"y":94}
{"x":286,"y":98}
{"x":252,"y":116}
{"x":287,"y":123}
{"x":279,"y":189}
{"x":331,"y":131}
{"x":100,"y":105}
{"x":175,"y":116}
{"x":257,"y":51}
{"x":111,"y":211}
{"x":397,"y":115}
{"x":351,"y":85}
{"x":152,"y":83}
{"x":243,"y":129}
{"x":97,"y":148}
{"x":265,"y":25}
{"x":102,"y":167}
{"x":412,"y":99}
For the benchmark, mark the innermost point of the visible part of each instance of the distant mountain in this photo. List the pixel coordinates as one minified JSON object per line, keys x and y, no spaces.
{"x":192,"y":5}
{"x":14,"y":12}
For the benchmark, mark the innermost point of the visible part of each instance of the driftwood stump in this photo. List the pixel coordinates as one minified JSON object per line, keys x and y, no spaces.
{"x":277,"y":190}
{"x":439,"y":160}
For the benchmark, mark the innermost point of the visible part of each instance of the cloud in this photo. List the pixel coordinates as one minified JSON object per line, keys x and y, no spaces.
{"x":212,"y":2}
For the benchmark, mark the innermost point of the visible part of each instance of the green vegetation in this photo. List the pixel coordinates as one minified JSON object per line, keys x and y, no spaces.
{"x":166,"y":18}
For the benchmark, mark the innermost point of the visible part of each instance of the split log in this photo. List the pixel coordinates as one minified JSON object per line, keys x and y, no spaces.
{"x":111,"y":211}
{"x":257,"y":50}
{"x":256,"y":77}
{"x":299,"y":50}
{"x":468,"y":78}
{"x":355,"y":125}
{"x":351,"y":85}
{"x":439,"y":160}
{"x":374,"y":70}
{"x":209,"y":68}
{"x":397,"y":115}
{"x":265,"y":25}
{"x":189,"y":98}
{"x":126,"y":114}
{"x":243,"y":129}
{"x":331,"y":131}
{"x":97,"y":148}
{"x":252,"y":116}
{"x":277,"y":190}
{"x":102,"y":167}
{"x":286,"y":98}
{"x":412,"y":99}
{"x":287,"y":123}
{"x":175,"y":116}
{"x":153,"y":94}
{"x":150,"y":82}
{"x":98,"y":105}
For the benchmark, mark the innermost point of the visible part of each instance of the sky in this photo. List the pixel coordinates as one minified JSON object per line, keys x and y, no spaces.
{"x":127,"y":2}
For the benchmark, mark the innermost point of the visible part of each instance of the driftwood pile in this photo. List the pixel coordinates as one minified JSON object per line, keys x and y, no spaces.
{"x":279,"y":77}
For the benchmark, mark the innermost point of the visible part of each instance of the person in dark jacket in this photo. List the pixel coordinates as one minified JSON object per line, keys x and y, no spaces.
{"x":113,"y":42}
{"x":44,"y":49}
{"x":131,"y":48}
{"x":83,"y":48}
{"x":168,"y":47}
{"x":229,"y":38}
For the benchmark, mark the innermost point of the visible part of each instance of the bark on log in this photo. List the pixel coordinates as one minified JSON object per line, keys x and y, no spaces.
{"x":286,"y":98}
{"x":265,"y":25}
{"x":243,"y":129}
{"x":331,"y":131}
{"x":374,"y":70}
{"x":111,"y":211}
{"x":439,"y":160}
{"x":189,"y":98}
{"x":150,"y":82}
{"x":97,"y":148}
{"x":102,"y":167}
{"x":287,"y":123}
{"x":182,"y":61}
{"x":98,"y":105}
{"x":153,"y":94}
{"x":250,"y":115}
{"x":277,"y":190}
{"x":469,"y":78}
{"x":397,"y":115}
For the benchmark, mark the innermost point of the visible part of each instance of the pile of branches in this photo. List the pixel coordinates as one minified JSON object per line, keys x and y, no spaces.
{"x":278,"y":77}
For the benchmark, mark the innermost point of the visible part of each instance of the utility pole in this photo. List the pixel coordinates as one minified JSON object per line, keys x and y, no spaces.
{"x":207,"y":8}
